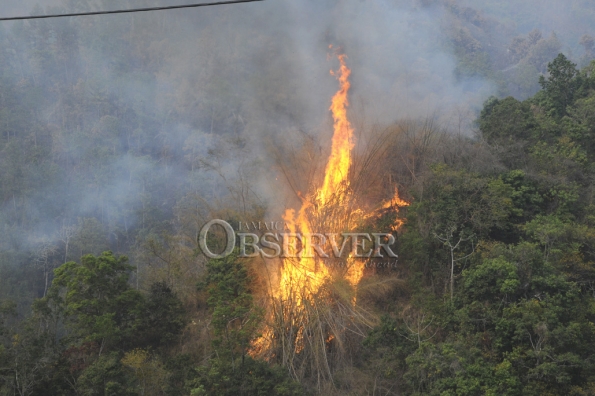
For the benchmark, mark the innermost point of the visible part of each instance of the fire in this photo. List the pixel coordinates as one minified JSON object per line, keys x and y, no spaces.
{"x":301,"y":273}
{"x":305,"y":273}
{"x":337,"y":168}
{"x":302,"y":278}
{"x":395,"y":201}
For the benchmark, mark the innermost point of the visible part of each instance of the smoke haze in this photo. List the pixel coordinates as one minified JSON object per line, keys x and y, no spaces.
{"x":139,"y":116}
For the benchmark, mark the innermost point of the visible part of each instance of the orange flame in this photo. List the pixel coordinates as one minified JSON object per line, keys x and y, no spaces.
{"x":304,"y":272}
{"x":395,"y":201}
{"x":303,"y":277}
{"x":337,"y":168}
{"x":301,"y":272}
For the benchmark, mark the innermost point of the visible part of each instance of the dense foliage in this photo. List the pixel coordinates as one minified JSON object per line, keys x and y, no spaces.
{"x":520,"y":320}
{"x":109,"y":167}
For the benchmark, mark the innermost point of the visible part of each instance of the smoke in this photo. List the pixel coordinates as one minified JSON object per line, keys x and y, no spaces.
{"x":140,"y":111}
{"x":401,"y":66}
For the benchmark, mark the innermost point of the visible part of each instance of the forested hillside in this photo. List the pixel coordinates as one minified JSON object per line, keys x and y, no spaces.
{"x":121,"y":136}
{"x":517,"y":216}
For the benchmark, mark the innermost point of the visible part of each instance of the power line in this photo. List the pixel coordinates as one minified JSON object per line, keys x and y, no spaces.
{"x":126,"y":11}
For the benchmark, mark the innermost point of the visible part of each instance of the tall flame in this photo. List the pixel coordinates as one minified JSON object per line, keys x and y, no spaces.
{"x":337,"y":168}
{"x":302,"y":278}
{"x":304,"y":273}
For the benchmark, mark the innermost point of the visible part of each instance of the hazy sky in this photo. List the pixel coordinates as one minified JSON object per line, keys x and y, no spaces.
{"x":265,"y":66}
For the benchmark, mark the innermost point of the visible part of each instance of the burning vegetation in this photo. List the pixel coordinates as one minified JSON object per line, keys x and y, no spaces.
{"x":122,"y":138}
{"x":313,"y":313}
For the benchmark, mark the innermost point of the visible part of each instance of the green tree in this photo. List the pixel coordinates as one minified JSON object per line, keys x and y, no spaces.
{"x":108,"y":323}
{"x":96,"y":300}
{"x":252,"y":377}
{"x":235,"y":320}
{"x":561,"y":85}
{"x":455,"y":210}
{"x":506,"y":121}
{"x":27,"y":355}
{"x":164,"y":317}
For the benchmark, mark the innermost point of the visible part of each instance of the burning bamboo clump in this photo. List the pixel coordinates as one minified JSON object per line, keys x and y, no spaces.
{"x":313,"y":313}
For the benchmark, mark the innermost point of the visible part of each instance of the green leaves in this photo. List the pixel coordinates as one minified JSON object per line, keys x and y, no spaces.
{"x":105,"y":318}
{"x":96,"y":300}
{"x":521,"y":321}
{"x":472,"y":203}
{"x":252,"y":377}
{"x":235,"y":318}
{"x":162,"y":319}
{"x":561,"y":85}
{"x":507,"y":121}
{"x":98,"y":304}
{"x":492,"y":280}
